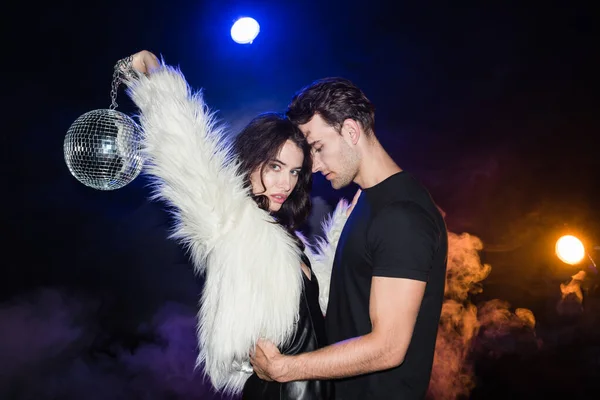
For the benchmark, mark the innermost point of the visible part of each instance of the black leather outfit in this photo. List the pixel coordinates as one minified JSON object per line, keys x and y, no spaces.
{"x":309,"y":336}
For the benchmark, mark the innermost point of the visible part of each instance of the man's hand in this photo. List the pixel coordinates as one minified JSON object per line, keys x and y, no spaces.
{"x":354,"y":201}
{"x":144,"y":62}
{"x":268,"y":362}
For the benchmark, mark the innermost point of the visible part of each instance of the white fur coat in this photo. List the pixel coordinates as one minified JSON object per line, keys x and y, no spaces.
{"x":251,"y":266}
{"x":322,"y":257}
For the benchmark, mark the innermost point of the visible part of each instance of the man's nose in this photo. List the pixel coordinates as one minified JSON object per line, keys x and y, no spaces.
{"x":285,"y":182}
{"x":316,"y":167}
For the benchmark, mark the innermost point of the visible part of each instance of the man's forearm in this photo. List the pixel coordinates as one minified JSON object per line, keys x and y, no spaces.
{"x":352,"y":357}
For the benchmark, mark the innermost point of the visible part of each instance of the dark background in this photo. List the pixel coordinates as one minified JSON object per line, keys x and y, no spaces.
{"x":491,"y":106}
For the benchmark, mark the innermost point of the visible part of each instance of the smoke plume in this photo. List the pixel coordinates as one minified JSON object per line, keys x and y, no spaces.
{"x":571,"y":302}
{"x":468,"y":331}
{"x":52,"y":349}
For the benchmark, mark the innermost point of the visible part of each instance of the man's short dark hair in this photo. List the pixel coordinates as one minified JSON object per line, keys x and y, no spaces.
{"x":335,"y":100}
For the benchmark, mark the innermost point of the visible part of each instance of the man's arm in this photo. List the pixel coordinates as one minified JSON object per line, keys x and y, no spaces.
{"x":403,"y":246}
{"x":394,"y":308}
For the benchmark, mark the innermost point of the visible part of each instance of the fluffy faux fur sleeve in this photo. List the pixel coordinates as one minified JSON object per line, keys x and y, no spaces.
{"x":251,"y":265}
{"x":322,"y":255}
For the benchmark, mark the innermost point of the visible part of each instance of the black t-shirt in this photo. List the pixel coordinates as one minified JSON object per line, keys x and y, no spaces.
{"x":395,"y":230}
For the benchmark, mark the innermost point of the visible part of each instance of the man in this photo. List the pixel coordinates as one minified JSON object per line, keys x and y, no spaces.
{"x":387,"y":283}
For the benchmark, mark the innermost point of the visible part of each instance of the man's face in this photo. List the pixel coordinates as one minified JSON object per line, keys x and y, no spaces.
{"x":333,"y":152}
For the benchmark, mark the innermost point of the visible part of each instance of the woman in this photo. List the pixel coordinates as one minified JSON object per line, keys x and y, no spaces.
{"x":237,"y":208}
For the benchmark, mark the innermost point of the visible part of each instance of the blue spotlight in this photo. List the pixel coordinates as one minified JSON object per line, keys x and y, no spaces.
{"x":245,"y":30}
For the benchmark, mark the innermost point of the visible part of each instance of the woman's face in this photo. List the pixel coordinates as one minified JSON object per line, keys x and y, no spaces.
{"x":279,"y":176}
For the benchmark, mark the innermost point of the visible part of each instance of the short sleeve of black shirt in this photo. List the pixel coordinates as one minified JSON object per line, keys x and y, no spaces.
{"x":402,"y":239}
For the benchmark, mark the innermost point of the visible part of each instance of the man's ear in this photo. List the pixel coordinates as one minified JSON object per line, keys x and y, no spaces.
{"x":352,"y":129}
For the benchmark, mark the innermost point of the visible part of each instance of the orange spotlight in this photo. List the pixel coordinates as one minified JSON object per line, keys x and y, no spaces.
{"x":570,"y":249}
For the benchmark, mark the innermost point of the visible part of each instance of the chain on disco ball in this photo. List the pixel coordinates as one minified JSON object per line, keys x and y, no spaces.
{"x":102,"y":147}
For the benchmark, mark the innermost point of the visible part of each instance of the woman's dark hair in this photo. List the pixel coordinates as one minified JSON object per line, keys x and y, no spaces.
{"x":259,"y":143}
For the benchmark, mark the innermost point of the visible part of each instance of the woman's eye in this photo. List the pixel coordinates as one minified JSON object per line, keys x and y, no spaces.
{"x":295,"y":172}
{"x":275,"y":167}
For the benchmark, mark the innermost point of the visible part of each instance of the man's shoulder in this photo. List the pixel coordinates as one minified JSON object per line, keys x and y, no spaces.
{"x":401,"y":222}
{"x":402,"y":212}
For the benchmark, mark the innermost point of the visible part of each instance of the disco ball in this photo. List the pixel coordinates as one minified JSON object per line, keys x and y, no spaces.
{"x":102,"y":149}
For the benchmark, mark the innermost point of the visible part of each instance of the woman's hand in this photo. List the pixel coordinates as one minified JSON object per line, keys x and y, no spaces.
{"x":144,"y":62}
